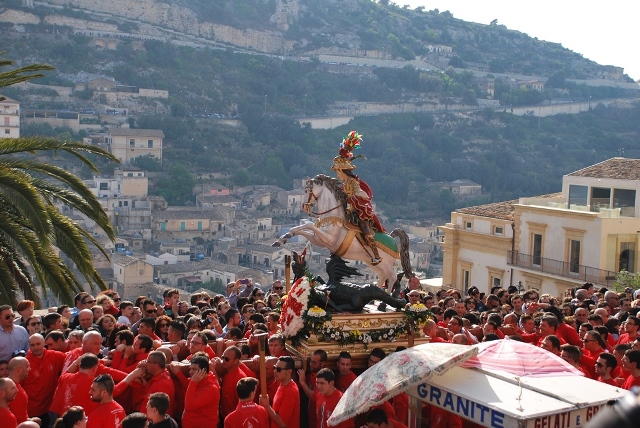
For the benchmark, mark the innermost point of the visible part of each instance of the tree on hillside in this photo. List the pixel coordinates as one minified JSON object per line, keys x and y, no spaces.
{"x":34,"y":234}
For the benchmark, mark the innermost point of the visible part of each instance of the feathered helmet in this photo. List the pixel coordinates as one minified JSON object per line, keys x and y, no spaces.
{"x":345,"y":153}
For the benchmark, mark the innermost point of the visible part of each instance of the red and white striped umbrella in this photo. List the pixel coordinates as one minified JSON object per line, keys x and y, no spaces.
{"x":519,"y":359}
{"x":397,"y":373}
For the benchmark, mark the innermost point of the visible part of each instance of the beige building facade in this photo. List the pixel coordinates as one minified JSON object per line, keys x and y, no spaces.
{"x":127,"y":144}
{"x":586,"y":233}
{"x":9,"y":118}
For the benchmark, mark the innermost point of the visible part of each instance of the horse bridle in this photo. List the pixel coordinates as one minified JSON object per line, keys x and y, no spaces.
{"x":312,"y":200}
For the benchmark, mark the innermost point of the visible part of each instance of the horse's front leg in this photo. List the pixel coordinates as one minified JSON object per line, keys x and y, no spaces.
{"x":318,"y":236}
{"x":296,"y":230}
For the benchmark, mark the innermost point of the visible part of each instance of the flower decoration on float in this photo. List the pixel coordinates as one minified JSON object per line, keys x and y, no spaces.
{"x":417,"y":314}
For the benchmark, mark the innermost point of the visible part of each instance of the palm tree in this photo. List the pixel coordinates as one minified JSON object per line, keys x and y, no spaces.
{"x":34,"y":234}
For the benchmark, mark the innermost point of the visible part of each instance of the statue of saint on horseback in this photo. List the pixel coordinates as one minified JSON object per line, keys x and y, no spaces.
{"x":347,"y":224}
{"x":359,"y":208}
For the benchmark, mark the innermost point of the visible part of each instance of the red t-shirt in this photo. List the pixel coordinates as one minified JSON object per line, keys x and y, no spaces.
{"x":42,"y":380}
{"x":8,"y":419}
{"x":610,"y":381}
{"x":73,"y":390}
{"x":19,"y":405}
{"x":201,"y":403}
{"x":630,"y":382}
{"x":286,"y":404}
{"x":229,"y":396}
{"x":343,"y":382}
{"x":247,"y":415}
{"x":107,"y":415}
{"x":324,"y":408}
{"x":161,"y":382}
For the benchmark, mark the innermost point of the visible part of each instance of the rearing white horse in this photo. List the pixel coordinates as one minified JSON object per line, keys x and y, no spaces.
{"x":335,"y":232}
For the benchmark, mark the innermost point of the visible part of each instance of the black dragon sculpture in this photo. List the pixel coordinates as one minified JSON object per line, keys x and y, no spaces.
{"x":341,"y":296}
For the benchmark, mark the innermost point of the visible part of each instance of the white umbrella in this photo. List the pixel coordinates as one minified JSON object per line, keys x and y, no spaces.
{"x":397,"y":373}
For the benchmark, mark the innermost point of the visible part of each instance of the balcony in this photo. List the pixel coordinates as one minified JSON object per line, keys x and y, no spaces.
{"x":560,"y":268}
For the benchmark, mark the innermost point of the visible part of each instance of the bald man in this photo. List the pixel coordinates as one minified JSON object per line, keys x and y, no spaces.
{"x":18,"y":371}
{"x":8,"y":392}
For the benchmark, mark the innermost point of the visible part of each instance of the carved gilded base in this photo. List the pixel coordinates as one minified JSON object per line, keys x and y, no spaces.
{"x":363,"y":322}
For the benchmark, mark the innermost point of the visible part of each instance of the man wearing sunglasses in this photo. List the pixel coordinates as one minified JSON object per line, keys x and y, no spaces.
{"x":231,"y":363}
{"x":108,"y":414}
{"x":277,"y":288}
{"x":12,"y":337}
{"x":285,"y":412}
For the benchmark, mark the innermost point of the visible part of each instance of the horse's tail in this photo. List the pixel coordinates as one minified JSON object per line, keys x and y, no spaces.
{"x":404,"y":251}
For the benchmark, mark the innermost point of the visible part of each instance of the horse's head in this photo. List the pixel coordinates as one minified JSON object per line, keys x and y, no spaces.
{"x":311,"y":196}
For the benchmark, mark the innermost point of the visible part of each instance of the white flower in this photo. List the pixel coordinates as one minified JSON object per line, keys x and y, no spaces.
{"x":384,"y":335}
{"x":300,"y":292}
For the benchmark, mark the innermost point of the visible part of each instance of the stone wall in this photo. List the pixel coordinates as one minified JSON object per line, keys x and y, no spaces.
{"x":181,"y":20}
{"x":80,"y":23}
{"x":18,"y":17}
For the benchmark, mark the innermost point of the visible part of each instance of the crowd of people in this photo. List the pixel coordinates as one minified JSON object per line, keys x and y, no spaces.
{"x":106,"y":362}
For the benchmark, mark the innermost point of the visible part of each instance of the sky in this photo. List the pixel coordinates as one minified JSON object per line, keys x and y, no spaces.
{"x":604,"y":32}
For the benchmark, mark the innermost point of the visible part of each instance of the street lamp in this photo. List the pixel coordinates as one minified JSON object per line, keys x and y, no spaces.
{"x":520,"y":287}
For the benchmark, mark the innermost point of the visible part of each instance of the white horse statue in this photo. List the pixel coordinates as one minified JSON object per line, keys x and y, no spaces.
{"x":335,"y":232}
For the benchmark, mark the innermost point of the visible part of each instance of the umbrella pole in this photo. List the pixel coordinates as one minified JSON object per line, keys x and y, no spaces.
{"x":287,"y":272}
{"x":262,"y":339}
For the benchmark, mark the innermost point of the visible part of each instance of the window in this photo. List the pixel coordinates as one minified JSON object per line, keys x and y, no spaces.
{"x":163,"y":226}
{"x":467,"y":225}
{"x":132,"y":142}
{"x":536,"y":249}
{"x":126,"y":203}
{"x":574,"y":256}
{"x":150,"y":144}
{"x":626,"y":201}
{"x":600,"y":198}
{"x":104,"y":186}
{"x":498,"y":230}
{"x":497,"y":282}
{"x":466,"y":280}
{"x":7,"y":131}
{"x":199,"y":225}
{"x":578,"y":195}
{"x":183,"y":225}
{"x":627,"y":256}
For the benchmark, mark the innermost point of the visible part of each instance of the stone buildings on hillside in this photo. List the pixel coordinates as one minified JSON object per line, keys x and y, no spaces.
{"x":586,"y":233}
{"x":127,"y":144}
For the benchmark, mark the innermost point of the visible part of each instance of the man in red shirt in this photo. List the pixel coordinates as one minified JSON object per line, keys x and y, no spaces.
{"x":40,"y":384}
{"x":377,"y":418}
{"x":630,"y":330}
{"x":159,"y":380}
{"x":247,"y":414}
{"x":8,"y":391}
{"x":108,"y":414}
{"x":73,"y":388}
{"x":231,"y":363}
{"x":631,"y":362}
{"x":126,"y":358}
{"x":203,"y":396}
{"x":56,"y":341}
{"x":18,"y":372}
{"x":285,"y":412}
{"x":604,"y":366}
{"x":308,"y":382}
{"x":327,"y":397}
{"x":345,"y":375}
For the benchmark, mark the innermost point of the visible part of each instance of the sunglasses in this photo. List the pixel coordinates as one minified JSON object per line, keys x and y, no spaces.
{"x":277,"y":288}
{"x":89,"y":302}
{"x":227,"y":359}
{"x":279,"y":369}
{"x":599,"y":365}
{"x":117,"y":300}
{"x":252,"y":311}
{"x":151,"y":311}
{"x":8,"y":317}
{"x":103,"y":379}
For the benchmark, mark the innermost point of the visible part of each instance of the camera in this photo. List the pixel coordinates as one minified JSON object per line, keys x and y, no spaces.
{"x":205,"y":322}
{"x":244,"y":281}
